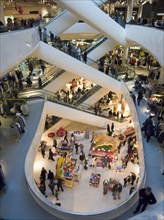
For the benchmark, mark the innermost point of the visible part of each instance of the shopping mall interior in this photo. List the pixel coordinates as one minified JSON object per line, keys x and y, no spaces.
{"x":81,"y":109}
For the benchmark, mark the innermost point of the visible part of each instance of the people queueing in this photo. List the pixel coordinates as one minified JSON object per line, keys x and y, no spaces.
{"x":146,"y":197}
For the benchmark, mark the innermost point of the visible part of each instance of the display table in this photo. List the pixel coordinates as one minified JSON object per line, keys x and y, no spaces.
{"x":95,"y":179}
{"x":70,"y":172}
{"x":77,"y":173}
{"x":104,"y":144}
{"x":129,"y":131}
{"x":64,"y":149}
{"x":120,"y":136}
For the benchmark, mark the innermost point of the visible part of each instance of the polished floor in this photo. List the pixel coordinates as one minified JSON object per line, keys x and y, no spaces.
{"x":17,"y":202}
{"x":91,"y":197}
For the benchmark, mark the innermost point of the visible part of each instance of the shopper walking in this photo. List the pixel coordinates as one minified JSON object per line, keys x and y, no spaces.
{"x":133,"y":178}
{"x":145,"y":197}
{"x":60,"y":184}
{"x":119,"y":190}
{"x":105,"y":187}
{"x":51,"y":185}
{"x":42,"y":188}
{"x":112,"y":127}
{"x":43,"y":174}
{"x":140,"y":96}
{"x":51,"y":155}
{"x":40,"y":82}
{"x":42,"y":150}
{"x":50,"y":176}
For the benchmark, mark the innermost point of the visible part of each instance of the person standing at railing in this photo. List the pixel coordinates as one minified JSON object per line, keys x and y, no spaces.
{"x":79,"y":53}
{"x":51,"y":36}
{"x":40,"y":82}
{"x":44,"y":35}
{"x":84,"y":56}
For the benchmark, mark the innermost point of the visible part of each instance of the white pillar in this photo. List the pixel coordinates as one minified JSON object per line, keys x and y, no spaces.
{"x":2,"y":18}
{"x":161,"y":77}
{"x":129,"y":10}
{"x":140,"y":9}
{"x":125,"y":55}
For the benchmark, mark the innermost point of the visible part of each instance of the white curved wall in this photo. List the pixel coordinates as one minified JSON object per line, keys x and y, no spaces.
{"x":59,"y":82}
{"x":96,"y":97}
{"x":152,"y":39}
{"x":101,"y":50}
{"x":72,"y":65}
{"x":59,"y":211}
{"x":61,"y":23}
{"x":76,"y":115}
{"x":16,"y":46}
{"x":80,"y":28}
{"x":96,"y":18}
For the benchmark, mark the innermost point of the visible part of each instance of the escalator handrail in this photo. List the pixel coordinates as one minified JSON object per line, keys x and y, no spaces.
{"x":46,"y":93}
{"x":98,"y":42}
{"x":54,"y":75}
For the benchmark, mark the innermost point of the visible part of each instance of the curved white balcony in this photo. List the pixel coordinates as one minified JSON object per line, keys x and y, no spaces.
{"x":16,"y":46}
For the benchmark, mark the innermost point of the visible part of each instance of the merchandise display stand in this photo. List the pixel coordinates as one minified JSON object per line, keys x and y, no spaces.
{"x":70,"y":171}
{"x":95,"y":179}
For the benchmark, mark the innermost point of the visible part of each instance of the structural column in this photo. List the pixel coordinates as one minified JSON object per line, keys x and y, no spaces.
{"x":125,"y":55}
{"x":161,"y":77}
{"x":140,"y":9}
{"x":129,"y":10}
{"x":2,"y":18}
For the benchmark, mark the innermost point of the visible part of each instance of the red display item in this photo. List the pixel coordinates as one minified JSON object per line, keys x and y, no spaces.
{"x":51,"y":134}
{"x":61,"y":132}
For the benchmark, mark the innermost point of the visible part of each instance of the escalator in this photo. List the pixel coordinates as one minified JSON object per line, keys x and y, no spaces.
{"x":62,"y":60}
{"x":97,"y":19}
{"x":82,"y":113}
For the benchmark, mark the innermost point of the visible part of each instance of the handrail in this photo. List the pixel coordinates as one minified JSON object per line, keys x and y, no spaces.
{"x":51,"y":97}
{"x":88,"y":94}
{"x":52,"y":77}
{"x":98,"y":42}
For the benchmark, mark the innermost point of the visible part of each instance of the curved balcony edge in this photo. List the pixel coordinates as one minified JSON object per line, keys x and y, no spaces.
{"x":59,"y":211}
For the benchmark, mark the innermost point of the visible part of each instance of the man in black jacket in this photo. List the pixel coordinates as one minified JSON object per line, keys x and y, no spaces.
{"x":145,"y":197}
